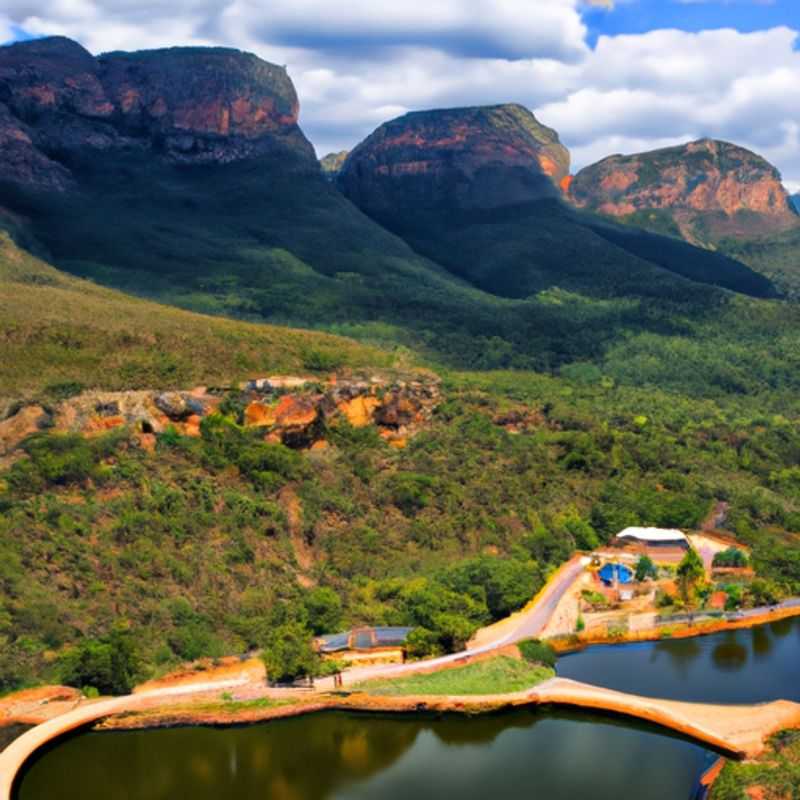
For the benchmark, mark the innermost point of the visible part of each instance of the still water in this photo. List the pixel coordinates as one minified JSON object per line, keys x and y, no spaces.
{"x":741,"y":666}
{"x":556,"y":756}
{"x":546,"y":754}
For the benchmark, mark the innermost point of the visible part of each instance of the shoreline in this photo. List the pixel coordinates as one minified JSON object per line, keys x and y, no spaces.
{"x":579,"y":642}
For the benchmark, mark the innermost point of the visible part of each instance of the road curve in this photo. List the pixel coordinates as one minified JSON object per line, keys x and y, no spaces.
{"x":525,"y":624}
{"x":21,"y":749}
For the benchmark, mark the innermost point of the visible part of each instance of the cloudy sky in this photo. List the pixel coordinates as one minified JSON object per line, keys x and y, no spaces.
{"x":610,"y":75}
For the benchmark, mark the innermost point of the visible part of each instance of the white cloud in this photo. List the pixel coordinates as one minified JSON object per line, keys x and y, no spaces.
{"x":359,"y":62}
{"x":6,"y":31}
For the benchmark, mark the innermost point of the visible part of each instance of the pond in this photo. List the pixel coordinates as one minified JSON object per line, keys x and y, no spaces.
{"x":739,"y":666}
{"x":541,"y":753}
{"x":558,"y":756}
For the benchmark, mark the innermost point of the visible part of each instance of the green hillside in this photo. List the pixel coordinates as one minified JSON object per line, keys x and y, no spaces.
{"x":275,"y":242}
{"x":776,"y":256}
{"x":59,"y":330}
{"x":201,"y":556}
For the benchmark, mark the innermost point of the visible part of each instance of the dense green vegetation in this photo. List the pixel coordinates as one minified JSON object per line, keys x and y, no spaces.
{"x":499,"y":675}
{"x":193,"y":546}
{"x":534,"y":288}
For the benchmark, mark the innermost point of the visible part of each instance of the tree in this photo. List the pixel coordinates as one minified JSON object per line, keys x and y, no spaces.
{"x":110,"y":664}
{"x":324,"y":609}
{"x":645,"y":568}
{"x":690,"y":572}
{"x":732,"y":557}
{"x":288,"y":654}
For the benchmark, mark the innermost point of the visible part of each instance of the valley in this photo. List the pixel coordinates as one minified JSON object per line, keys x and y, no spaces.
{"x":249,"y":400}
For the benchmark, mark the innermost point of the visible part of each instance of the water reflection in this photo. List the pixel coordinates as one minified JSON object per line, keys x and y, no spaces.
{"x":738,"y":666}
{"x":682,"y":653}
{"x":559,"y":756}
{"x":730,"y":654}
{"x":761,"y":642}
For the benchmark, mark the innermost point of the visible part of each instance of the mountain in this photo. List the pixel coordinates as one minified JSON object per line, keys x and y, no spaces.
{"x":457,"y":159}
{"x":479,"y":190}
{"x":180,"y":105}
{"x":331,"y":164}
{"x":181,"y":175}
{"x":705,"y":191}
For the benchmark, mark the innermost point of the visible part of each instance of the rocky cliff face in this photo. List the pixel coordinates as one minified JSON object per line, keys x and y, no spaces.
{"x":294,"y":411}
{"x":187,"y":105}
{"x":467,"y":158}
{"x":704,"y":191}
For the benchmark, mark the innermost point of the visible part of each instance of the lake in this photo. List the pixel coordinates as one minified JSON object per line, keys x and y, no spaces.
{"x":749,"y":665}
{"x":558,"y":756}
{"x":541,"y":753}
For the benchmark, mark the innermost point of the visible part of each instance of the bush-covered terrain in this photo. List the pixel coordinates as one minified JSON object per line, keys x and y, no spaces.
{"x":197,"y":547}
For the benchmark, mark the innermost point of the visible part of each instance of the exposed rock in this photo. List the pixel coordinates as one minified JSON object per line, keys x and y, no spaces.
{"x":291,"y":411}
{"x":703,"y":191}
{"x":27,"y":421}
{"x":332,"y":163}
{"x":186,"y":105}
{"x":467,"y":158}
{"x":297,"y":419}
{"x":277,"y":383}
{"x":180,"y":405}
{"x":360,"y":410}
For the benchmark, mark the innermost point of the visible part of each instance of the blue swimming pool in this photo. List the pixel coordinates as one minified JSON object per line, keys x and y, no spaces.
{"x":616,"y":572}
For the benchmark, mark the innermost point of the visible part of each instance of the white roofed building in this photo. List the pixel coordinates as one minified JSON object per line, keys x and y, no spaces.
{"x":664,"y":546}
{"x":654,"y":535}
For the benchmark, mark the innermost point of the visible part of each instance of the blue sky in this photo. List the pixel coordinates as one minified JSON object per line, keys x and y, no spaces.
{"x":628,"y":76}
{"x":641,"y":16}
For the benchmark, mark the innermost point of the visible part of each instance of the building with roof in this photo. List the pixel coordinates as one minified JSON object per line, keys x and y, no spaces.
{"x":662,"y":545}
{"x":368,"y":645}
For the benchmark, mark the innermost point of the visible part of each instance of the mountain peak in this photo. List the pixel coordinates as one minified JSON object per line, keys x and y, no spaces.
{"x":473,"y":157}
{"x":706,"y":190}
{"x":187,"y":105}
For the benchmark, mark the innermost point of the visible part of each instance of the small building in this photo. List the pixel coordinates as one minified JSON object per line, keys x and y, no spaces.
{"x":367,"y":645}
{"x":665,"y":546}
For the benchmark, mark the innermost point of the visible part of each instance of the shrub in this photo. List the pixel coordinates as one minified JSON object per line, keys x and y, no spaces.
{"x":732,"y":557}
{"x":321,"y":360}
{"x":645,"y":568}
{"x":324,"y":609}
{"x":538,"y":652}
{"x":411,"y":492}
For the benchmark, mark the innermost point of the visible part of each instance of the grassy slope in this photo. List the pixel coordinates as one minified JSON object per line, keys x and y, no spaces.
{"x":267,"y":241}
{"x":499,"y":675}
{"x":777,"y":257}
{"x":56,"y":328}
